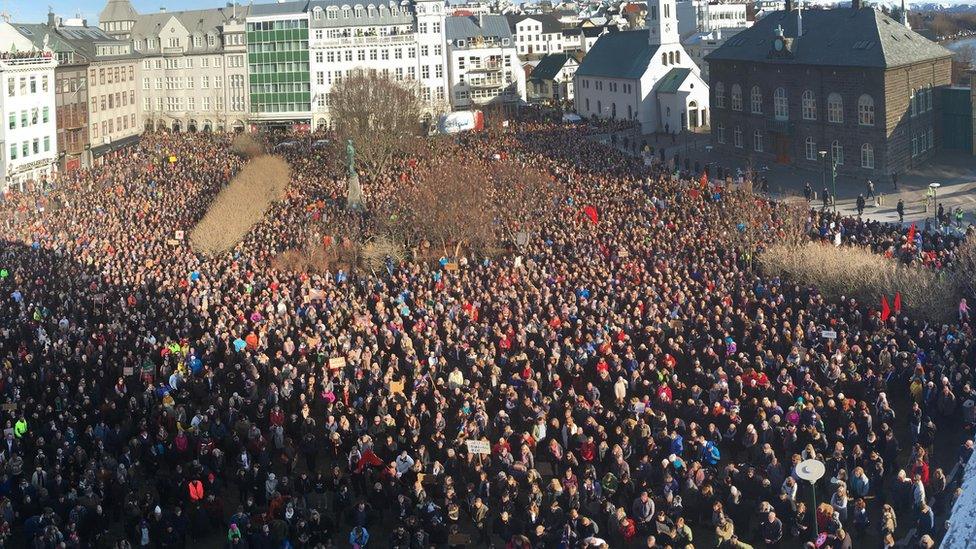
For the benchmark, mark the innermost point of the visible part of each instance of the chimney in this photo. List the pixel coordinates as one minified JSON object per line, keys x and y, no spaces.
{"x":855,"y":4}
{"x":789,"y":5}
{"x":162,"y":9}
{"x":799,"y":18}
{"x":52,"y":20}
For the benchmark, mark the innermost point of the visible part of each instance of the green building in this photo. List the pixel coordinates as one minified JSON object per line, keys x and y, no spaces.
{"x":278,"y":65}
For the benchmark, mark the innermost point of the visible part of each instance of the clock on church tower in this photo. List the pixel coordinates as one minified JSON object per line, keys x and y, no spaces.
{"x":661,"y":22}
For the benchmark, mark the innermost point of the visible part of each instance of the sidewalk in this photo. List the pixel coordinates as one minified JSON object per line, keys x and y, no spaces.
{"x":955,"y":171}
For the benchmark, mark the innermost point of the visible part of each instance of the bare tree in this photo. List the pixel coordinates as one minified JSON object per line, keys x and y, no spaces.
{"x":520,"y":196}
{"x":377,"y":113}
{"x":962,"y":61}
{"x":448,"y":206}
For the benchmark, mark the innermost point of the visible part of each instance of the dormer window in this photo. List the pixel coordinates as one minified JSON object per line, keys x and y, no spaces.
{"x":317,"y":13}
{"x":211,"y":40}
{"x":197,"y":41}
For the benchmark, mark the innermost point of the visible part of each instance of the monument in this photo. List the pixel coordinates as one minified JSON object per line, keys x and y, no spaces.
{"x":354,"y":193}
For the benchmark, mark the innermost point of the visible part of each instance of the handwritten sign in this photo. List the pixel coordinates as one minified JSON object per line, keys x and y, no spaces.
{"x":127,"y":371}
{"x":396,"y":387}
{"x":337,"y":363}
{"x":623,"y":254}
{"x":179,"y":235}
{"x":10,"y":407}
{"x":828,"y":334}
{"x":478,"y":447}
{"x":451,"y":267}
{"x":677,"y":323}
{"x":172,"y":242}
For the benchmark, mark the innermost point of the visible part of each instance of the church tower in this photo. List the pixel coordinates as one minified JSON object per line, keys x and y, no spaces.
{"x":661,"y":22}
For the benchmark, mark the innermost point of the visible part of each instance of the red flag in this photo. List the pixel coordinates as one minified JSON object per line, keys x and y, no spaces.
{"x":911,"y":235}
{"x":704,"y":180}
{"x":591,"y":212}
{"x":897,"y":302}
{"x":885,"y":309}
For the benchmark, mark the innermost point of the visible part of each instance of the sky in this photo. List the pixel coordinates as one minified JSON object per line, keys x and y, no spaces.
{"x":34,"y":11}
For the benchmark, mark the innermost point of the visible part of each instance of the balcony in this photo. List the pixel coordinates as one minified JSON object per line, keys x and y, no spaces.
{"x":487,"y":67}
{"x":33,"y":59}
{"x":363,"y":41}
{"x":485,"y":84}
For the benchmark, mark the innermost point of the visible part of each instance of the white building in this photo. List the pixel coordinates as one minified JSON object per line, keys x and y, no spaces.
{"x":536,"y":35}
{"x":28,"y":131}
{"x":696,"y":16}
{"x":483,"y":62}
{"x":404,"y":41}
{"x":644,"y":75}
{"x":193,"y":74}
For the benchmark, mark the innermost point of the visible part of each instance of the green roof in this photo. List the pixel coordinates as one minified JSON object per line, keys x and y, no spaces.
{"x":673,"y":80}
{"x":549,"y":66}
{"x":847,"y":37}
{"x":618,"y":55}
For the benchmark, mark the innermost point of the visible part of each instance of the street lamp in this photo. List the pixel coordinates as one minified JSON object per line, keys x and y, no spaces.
{"x":812,"y":470}
{"x":823,"y":165}
{"x":935,"y":202}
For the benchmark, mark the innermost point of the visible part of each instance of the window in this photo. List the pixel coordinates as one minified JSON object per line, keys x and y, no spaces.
{"x":930,"y":136}
{"x":737,"y":137}
{"x":781,"y":107}
{"x":756,"y":97}
{"x":719,"y":95}
{"x":837,"y":153}
{"x":197,"y":41}
{"x":810,"y":147}
{"x":757,"y":141}
{"x":317,"y":13}
{"x":865,"y":110}
{"x":736,"y":97}
{"x":664,"y":59}
{"x":47,"y":143}
{"x":809,"y":106}
{"x":145,"y":83}
{"x":835,"y":109}
{"x":928,"y":99}
{"x":13,"y":151}
{"x":720,"y":134}
{"x":867,"y":156}
{"x":45,"y":115}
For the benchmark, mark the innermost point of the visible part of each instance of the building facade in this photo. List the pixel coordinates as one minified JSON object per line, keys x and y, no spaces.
{"x":193,"y":72}
{"x":405,"y":42}
{"x":696,"y":16}
{"x":483,"y":63}
{"x":536,"y":35}
{"x":645,"y":76}
{"x":28,"y":134}
{"x":853,"y":88}
{"x":551,"y":81}
{"x":279,"y":71}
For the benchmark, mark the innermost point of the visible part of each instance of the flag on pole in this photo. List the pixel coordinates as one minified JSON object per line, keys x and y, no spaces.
{"x":897,"y":302}
{"x":885,"y":309}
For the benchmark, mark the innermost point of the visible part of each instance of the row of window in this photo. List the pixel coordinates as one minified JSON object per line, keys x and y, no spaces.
{"x":284,"y":24}
{"x":70,"y":85}
{"x":922,"y":140}
{"x":921,"y":100}
{"x":112,"y":75}
{"x":810,"y":150}
{"x":212,"y":40}
{"x":337,"y":56}
{"x":28,"y":85}
{"x":808,"y":104}
{"x":613,"y":86}
{"x":490,"y":62}
{"x":670,"y":57}
{"x":28,"y":118}
{"x":27,"y":149}
{"x":119,"y":123}
{"x":359,"y":12}
{"x":174,"y":63}
{"x":206,"y":103}
{"x":631,"y":113}
{"x":365,"y":32}
{"x":189,"y":82}
{"x":113,"y":100}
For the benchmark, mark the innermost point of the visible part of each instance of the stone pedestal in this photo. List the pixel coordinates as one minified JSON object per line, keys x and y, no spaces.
{"x":354,"y":193}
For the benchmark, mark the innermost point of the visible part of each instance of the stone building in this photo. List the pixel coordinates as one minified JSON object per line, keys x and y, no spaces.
{"x":193,"y":74}
{"x":849,"y":86}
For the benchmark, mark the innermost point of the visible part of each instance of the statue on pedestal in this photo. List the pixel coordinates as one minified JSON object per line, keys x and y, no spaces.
{"x":354,"y":193}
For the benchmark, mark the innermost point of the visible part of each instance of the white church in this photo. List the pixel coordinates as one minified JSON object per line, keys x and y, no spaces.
{"x":644,"y":75}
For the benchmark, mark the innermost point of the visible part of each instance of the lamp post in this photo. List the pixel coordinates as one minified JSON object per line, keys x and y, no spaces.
{"x":823,"y":170}
{"x":935,"y":202}
{"x":812,"y":470}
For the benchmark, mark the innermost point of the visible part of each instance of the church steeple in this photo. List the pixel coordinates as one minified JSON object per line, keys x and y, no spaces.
{"x":903,"y":15}
{"x":661,"y":22}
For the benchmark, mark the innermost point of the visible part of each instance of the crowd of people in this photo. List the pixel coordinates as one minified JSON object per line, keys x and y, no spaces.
{"x":638,"y":382}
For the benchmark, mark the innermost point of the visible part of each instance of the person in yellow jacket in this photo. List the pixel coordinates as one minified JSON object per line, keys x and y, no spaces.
{"x":20,"y":428}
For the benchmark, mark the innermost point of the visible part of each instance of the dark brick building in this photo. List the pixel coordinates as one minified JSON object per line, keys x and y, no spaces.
{"x":851,"y":81}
